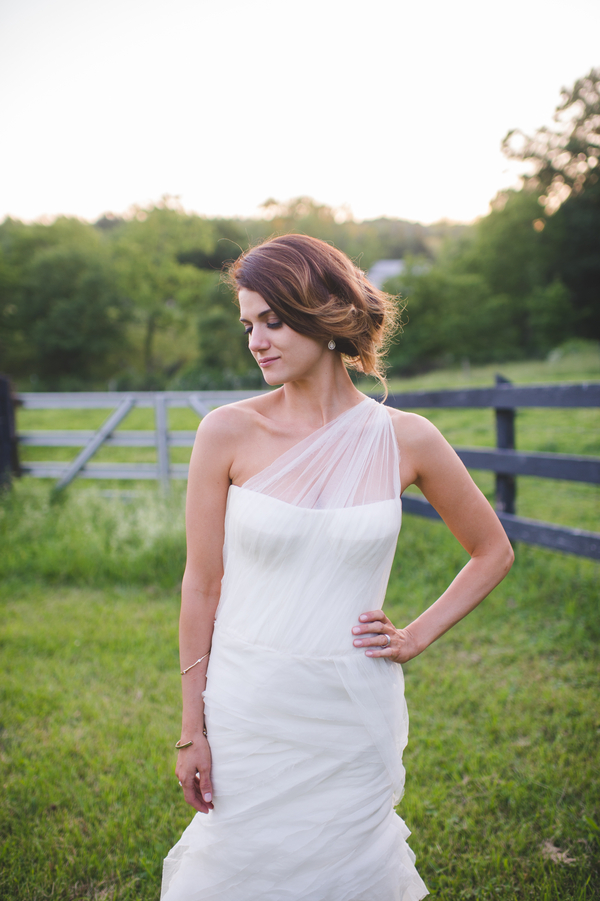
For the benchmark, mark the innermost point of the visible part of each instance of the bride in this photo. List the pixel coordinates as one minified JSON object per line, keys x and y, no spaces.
{"x":294,"y":719}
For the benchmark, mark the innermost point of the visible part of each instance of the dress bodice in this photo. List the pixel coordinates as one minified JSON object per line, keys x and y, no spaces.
{"x":296,"y":579}
{"x":309,"y":542}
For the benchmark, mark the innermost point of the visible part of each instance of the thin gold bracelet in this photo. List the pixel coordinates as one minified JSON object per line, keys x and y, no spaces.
{"x":184,"y":671}
{"x":189,"y":743}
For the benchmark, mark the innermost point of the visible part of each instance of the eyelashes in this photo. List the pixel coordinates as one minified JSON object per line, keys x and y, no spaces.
{"x":274,"y":324}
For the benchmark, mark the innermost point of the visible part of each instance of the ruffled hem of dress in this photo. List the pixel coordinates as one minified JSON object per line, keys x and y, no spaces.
{"x":195,"y":870}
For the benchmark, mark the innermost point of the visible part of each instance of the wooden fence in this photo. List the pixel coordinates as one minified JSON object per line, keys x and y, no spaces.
{"x":508,"y":463}
{"x":161,"y":438}
{"x":503,"y":460}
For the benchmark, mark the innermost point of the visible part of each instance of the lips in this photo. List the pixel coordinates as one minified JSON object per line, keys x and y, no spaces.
{"x":266,"y":361}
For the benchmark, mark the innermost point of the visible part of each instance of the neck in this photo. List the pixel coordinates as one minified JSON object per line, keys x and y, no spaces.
{"x":320,"y":397}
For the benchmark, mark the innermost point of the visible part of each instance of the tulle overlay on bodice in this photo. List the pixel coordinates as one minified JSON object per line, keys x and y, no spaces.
{"x":306,"y":732}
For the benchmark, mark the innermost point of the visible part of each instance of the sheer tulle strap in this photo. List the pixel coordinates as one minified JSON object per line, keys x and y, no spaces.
{"x":351,"y":461}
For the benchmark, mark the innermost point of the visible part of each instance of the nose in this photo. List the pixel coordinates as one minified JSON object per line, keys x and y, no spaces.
{"x":258,"y":338}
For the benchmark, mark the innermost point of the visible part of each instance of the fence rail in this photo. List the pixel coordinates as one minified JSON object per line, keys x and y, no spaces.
{"x":106,"y":400}
{"x":567,"y":467}
{"x":503,"y":460}
{"x":503,"y":395}
{"x":201,"y":402}
{"x":529,"y":531}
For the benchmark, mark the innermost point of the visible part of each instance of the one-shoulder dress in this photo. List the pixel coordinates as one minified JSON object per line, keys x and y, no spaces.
{"x":306,"y":732}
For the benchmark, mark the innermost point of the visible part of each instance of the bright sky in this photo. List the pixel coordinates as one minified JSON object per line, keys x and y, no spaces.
{"x":389,"y":107}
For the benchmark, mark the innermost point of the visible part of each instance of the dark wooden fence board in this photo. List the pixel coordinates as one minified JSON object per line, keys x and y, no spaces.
{"x":418,"y":506}
{"x":502,"y":397}
{"x":549,"y":466}
{"x":530,"y":531}
{"x":557,"y":538}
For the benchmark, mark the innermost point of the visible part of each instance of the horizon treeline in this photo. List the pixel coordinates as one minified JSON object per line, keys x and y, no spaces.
{"x":137,"y":301}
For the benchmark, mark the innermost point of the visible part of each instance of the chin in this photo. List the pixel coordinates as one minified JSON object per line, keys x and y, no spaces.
{"x":270,"y":377}
{"x":272,"y":380}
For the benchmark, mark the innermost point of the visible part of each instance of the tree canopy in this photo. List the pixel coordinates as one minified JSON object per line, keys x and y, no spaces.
{"x":526,"y":277}
{"x":136,"y":300}
{"x":565,"y":158}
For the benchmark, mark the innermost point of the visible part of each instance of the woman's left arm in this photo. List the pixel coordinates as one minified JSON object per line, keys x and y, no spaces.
{"x":428,"y":461}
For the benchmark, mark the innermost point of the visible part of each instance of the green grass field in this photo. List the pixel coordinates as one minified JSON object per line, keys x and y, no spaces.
{"x":503,"y":774}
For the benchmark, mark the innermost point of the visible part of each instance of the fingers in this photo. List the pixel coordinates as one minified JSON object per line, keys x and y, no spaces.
{"x":383,"y":648}
{"x":194,"y":779}
{"x":204,"y":787}
{"x":380,"y":639}
{"x":373,"y":616}
{"x":399,"y":649}
{"x":376,"y":634}
{"x":373,"y":629}
{"x":195,"y":797}
{"x":376,"y":621}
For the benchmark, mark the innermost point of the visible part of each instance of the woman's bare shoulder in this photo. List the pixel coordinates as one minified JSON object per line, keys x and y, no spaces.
{"x":412,"y":430}
{"x":231,"y":422}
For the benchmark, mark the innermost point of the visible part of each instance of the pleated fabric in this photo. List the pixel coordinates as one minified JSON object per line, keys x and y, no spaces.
{"x":306,"y":732}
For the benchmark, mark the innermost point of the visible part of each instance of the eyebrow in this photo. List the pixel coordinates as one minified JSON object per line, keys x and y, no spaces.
{"x":260,"y":315}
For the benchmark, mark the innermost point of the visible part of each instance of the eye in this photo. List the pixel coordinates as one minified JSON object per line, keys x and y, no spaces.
{"x":272,"y":323}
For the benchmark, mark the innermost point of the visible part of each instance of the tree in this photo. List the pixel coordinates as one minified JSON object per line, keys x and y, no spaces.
{"x":574,"y":234}
{"x":161,"y":289}
{"x":566,"y":176}
{"x":223,"y":360}
{"x":71,"y":314}
{"x":450,"y":315}
{"x":493,"y":295}
{"x":61,"y":312}
{"x":365,"y":242}
{"x":565,"y":159}
{"x":229,"y":240}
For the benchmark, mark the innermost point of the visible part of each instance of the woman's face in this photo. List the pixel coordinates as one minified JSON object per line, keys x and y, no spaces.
{"x":283,"y":354}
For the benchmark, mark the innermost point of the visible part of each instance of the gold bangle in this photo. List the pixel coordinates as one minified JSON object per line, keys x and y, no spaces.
{"x":189,"y":743}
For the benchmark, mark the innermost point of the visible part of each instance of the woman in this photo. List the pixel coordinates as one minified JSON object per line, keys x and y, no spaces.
{"x":294,"y":718}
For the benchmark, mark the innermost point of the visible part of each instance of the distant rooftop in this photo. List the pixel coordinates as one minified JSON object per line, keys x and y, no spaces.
{"x":382,"y":270}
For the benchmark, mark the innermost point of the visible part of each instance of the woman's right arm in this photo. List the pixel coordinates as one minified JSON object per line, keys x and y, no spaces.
{"x":208,"y":484}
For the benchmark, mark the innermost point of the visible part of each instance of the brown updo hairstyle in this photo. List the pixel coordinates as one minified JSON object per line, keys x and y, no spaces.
{"x":316,"y":290}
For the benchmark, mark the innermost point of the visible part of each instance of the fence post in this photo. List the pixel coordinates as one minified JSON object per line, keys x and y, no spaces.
{"x":162,"y":441}
{"x":506,"y":485}
{"x":9,"y":463}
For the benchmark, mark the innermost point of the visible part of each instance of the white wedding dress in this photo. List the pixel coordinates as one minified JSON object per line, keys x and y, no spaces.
{"x":306,"y":732}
